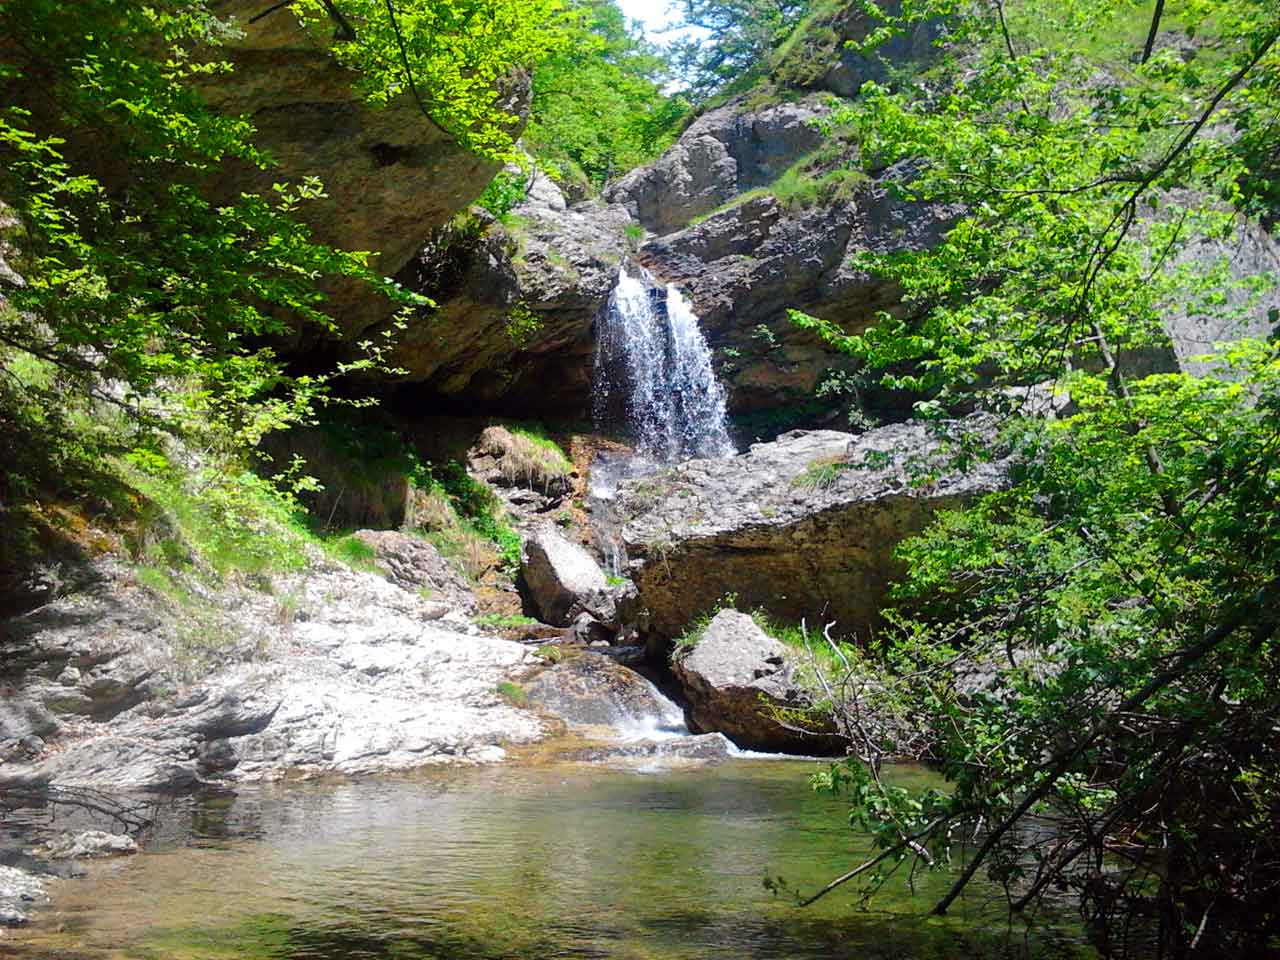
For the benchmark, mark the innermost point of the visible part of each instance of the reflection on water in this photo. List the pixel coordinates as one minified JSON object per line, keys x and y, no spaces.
{"x":512,"y":862}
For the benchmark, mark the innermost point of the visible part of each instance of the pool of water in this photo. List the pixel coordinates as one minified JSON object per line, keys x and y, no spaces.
{"x":537,"y":861}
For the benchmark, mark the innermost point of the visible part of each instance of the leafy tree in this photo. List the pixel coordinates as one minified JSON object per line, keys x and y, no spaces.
{"x":1094,"y":650}
{"x":131,"y":286}
{"x":598,"y":106}
{"x":736,"y":39}
{"x":455,"y":57}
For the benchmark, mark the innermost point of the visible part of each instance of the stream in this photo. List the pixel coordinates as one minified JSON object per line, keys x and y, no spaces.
{"x":534,"y":860}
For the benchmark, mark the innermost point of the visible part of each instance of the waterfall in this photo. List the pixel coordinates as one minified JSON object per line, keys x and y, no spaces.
{"x":653,"y":369}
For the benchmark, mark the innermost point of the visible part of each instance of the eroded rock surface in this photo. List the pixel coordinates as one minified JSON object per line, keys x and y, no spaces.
{"x":336,"y":672}
{"x":516,"y":303}
{"x":803,"y":527}
{"x":745,"y":267}
{"x":737,"y":679}
{"x":414,"y":564}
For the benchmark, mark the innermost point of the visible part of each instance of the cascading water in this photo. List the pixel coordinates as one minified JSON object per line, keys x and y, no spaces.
{"x":653,"y":365}
{"x":653,"y":375}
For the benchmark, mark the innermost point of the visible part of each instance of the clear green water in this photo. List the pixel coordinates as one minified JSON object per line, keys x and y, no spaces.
{"x":559,"y":861}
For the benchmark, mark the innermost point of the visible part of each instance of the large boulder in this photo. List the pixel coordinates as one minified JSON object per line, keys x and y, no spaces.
{"x":591,"y":689}
{"x":737,"y":681}
{"x":803,"y":527}
{"x":564,"y":581}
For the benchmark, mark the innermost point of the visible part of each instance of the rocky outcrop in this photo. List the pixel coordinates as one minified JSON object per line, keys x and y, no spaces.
{"x":824,"y":55}
{"x":741,"y":682}
{"x":723,"y":153}
{"x":803,"y":527}
{"x":563,"y":581}
{"x":335,"y":672}
{"x":390,"y":175}
{"x":745,"y":267}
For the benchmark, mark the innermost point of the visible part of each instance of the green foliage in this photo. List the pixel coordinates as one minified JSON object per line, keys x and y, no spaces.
{"x":513,"y":693}
{"x":505,"y":191}
{"x":504,"y":620}
{"x":457,"y":58}
{"x":354,"y":553}
{"x":1096,"y":646}
{"x":598,"y":106}
{"x":522,"y":324}
{"x":822,"y":474}
{"x":479,"y":509}
{"x":219,"y":518}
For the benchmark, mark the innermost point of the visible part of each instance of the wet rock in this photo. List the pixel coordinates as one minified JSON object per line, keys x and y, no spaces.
{"x":737,"y":677}
{"x":414,"y":564}
{"x":726,"y":151}
{"x":595,"y":690}
{"x":803,"y":527}
{"x":564,"y":581}
{"x":703,"y":748}
{"x":87,"y":844}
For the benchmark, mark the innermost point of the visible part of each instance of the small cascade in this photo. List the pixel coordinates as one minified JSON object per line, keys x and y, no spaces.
{"x":663,"y":721}
{"x":653,"y":371}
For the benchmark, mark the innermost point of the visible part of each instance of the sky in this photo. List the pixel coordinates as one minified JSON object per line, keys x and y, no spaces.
{"x":654,"y":14}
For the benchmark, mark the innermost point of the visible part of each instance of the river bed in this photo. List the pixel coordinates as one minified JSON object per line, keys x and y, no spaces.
{"x":516,"y":861}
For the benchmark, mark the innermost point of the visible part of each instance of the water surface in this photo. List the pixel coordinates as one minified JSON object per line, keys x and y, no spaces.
{"x":552,"y":861}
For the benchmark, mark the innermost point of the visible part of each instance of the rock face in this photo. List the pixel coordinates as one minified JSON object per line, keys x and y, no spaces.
{"x":733,"y":680}
{"x":390,"y":175}
{"x":803,"y":527}
{"x":564,"y":581}
{"x":337,"y":672}
{"x":516,"y":303}
{"x":724,"y":152}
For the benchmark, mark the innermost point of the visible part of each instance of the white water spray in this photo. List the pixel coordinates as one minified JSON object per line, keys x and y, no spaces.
{"x":653,"y":364}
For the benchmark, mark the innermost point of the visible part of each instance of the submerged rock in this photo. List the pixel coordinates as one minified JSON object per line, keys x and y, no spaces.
{"x":737,"y":679}
{"x":803,"y":527}
{"x":18,"y":891}
{"x":702,"y":748}
{"x":564,"y":581}
{"x":87,"y":843}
